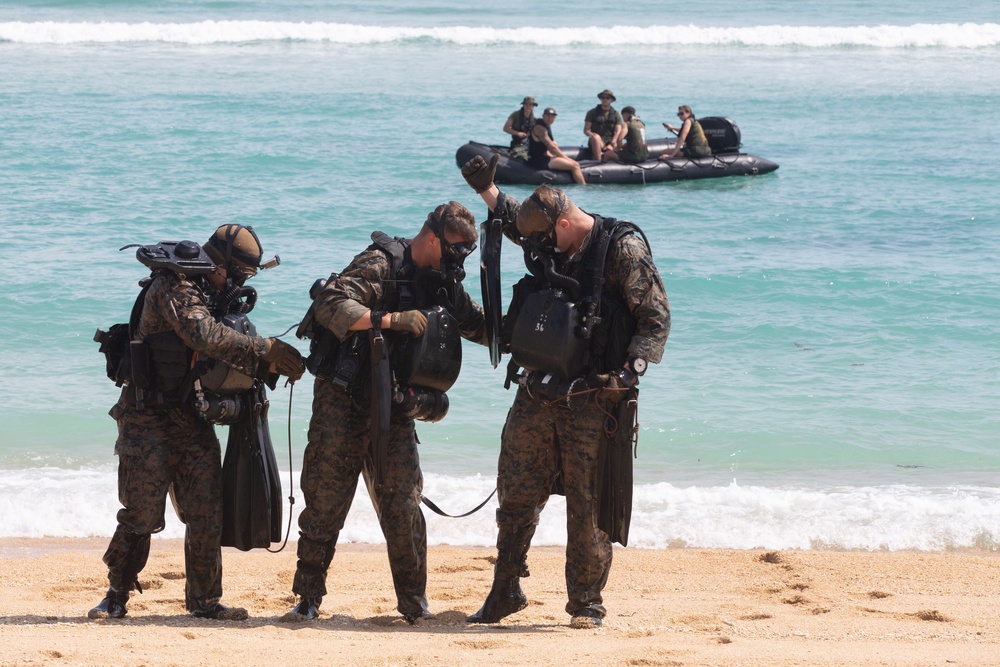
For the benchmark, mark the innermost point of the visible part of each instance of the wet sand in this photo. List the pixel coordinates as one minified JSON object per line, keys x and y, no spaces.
{"x":665,"y":607}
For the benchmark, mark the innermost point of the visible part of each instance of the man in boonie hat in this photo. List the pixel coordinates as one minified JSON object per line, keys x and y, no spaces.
{"x":604,"y":127}
{"x":519,"y":125}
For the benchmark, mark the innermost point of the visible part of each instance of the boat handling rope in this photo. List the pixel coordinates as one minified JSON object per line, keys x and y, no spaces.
{"x":291,"y":498}
{"x":438,"y":510}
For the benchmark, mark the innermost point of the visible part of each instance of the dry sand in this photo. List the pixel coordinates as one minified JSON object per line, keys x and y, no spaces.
{"x":666,"y":607}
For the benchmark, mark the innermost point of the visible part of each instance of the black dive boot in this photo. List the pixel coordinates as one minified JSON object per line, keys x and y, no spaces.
{"x":422,"y":615}
{"x":306,"y":610}
{"x":505,"y":598}
{"x":112,"y":606}
{"x":220,"y":612}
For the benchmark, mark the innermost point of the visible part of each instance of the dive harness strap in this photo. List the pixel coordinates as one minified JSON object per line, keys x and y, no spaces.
{"x":138,"y":359}
{"x":381,"y":401}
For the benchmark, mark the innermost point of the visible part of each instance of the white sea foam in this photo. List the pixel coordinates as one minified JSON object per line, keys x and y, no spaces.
{"x":64,"y":503}
{"x":920,"y":35}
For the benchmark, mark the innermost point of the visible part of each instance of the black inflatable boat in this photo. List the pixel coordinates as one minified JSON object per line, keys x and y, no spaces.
{"x":723,"y":136}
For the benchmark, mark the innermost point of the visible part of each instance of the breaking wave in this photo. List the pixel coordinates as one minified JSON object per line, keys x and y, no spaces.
{"x":82,"y":503}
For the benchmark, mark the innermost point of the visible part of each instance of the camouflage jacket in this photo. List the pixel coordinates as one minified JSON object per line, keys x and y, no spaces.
{"x":363,"y":286}
{"x":180,"y":305}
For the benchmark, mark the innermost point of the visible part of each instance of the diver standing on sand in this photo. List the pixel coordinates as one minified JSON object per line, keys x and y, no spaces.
{"x":386,"y":346}
{"x":166,"y":439}
{"x":581,"y":329}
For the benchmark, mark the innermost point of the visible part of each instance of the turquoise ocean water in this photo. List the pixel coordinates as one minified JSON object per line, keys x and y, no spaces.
{"x":832,"y":378}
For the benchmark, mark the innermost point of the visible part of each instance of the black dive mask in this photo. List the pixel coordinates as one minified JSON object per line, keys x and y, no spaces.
{"x":239,"y":275}
{"x":539,"y":242}
{"x":545,"y":243}
{"x":453,"y":260}
{"x":452,"y":254}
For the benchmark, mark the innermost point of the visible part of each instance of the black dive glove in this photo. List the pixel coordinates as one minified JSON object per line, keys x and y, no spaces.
{"x":286,"y":359}
{"x":478,"y":174}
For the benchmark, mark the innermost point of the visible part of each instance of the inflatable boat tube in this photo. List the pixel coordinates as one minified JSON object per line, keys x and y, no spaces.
{"x":723,"y":135}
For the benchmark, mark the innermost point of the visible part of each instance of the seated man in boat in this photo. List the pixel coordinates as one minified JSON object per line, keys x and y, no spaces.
{"x":691,"y":141}
{"x":604,"y":127}
{"x":543,"y":151}
{"x":634,"y":149}
{"x":519,"y":126}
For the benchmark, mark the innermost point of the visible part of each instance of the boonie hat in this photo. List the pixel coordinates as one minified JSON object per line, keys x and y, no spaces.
{"x":607,"y":92}
{"x":549,"y":110}
{"x":529,"y":100}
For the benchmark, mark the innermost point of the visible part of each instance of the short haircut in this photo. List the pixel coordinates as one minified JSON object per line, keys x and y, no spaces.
{"x":453,"y":219}
{"x":540,"y":211}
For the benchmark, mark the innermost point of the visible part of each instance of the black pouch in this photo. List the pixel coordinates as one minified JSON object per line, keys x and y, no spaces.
{"x":170,"y":373}
{"x":115,"y":348}
{"x":115,"y":341}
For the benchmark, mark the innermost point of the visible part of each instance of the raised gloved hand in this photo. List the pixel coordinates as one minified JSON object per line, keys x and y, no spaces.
{"x":478,"y":174}
{"x":285,"y":359}
{"x":412,"y":322}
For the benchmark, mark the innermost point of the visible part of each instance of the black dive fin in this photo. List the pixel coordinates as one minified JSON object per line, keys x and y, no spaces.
{"x":489,"y":276}
{"x":381,"y":406}
{"x":615,"y":472}
{"x":251,"y":490}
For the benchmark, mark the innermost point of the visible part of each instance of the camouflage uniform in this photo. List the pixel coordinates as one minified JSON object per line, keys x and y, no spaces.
{"x":339,"y":436}
{"x":541,"y":441}
{"x":172,"y":449}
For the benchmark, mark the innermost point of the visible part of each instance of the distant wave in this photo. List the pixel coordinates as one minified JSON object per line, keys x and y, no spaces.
{"x":922,"y":35}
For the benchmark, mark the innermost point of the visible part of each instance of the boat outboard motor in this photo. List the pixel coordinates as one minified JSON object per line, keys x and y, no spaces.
{"x":723,"y":135}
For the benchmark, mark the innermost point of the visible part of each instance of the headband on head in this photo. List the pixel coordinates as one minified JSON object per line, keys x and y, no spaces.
{"x":553,"y":214}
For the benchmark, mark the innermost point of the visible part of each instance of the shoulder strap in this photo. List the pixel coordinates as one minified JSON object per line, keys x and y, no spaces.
{"x":610,"y":231}
{"x":140,"y":301}
{"x":395,"y":249}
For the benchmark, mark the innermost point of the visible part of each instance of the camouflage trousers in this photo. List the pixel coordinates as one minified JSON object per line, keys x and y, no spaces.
{"x":171,"y":452}
{"x":539,"y":442}
{"x":339,"y":435}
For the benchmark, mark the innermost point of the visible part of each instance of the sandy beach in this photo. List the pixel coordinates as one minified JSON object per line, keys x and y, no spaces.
{"x":665,"y":607}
